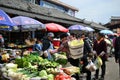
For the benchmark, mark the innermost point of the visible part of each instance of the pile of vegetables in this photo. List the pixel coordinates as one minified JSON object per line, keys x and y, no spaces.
{"x":71,"y":70}
{"x":62,"y":76}
{"x":60,"y":58}
{"x":33,"y":65}
{"x":28,"y":60}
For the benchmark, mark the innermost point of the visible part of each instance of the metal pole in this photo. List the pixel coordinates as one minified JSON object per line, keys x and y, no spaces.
{"x":33,"y":34}
{"x":9,"y":36}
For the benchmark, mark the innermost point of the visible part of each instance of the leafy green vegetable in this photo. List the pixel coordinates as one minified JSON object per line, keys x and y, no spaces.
{"x":26,"y":64}
{"x":50,"y":77}
{"x":43,"y":73}
{"x":60,"y":58}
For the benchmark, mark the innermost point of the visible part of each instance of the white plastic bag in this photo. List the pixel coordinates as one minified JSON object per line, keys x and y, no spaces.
{"x":91,"y":66}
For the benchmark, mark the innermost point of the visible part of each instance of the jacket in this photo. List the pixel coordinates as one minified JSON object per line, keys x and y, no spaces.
{"x":87,"y":46}
{"x":100,"y":47}
{"x":117,"y":48}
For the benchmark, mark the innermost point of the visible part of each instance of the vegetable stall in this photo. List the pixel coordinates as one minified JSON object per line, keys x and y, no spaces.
{"x":34,"y":67}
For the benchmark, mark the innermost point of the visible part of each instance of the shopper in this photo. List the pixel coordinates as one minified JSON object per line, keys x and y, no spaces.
{"x":117,"y":51}
{"x":86,"y":54}
{"x":64,"y":47}
{"x":87,"y":44}
{"x":100,"y":49}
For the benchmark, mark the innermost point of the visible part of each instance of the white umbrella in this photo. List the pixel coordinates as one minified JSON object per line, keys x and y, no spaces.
{"x":89,"y":29}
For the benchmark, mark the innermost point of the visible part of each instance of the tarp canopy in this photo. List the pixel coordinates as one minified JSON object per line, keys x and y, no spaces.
{"x":6,"y":22}
{"x":28,"y":24}
{"x":53,"y":27}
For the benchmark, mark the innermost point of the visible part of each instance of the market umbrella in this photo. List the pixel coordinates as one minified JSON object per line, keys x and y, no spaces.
{"x":89,"y":29}
{"x":27,"y":24}
{"x":107,"y":32}
{"x":77,"y":27}
{"x":6,"y":22}
{"x":53,"y":27}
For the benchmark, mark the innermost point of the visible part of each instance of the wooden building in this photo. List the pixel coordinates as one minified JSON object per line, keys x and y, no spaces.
{"x":114,"y":24}
{"x":36,"y":9}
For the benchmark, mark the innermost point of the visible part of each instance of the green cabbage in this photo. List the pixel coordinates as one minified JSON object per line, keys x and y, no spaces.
{"x":43,"y":73}
{"x":50,"y":77}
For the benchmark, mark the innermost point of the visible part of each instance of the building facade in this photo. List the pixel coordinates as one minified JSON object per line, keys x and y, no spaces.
{"x":30,"y":8}
{"x":56,"y":4}
{"x":114,"y":24}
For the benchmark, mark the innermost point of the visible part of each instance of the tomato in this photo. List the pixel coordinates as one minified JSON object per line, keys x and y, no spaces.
{"x":62,"y":77}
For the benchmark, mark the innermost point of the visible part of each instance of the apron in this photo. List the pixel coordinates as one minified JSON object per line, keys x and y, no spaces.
{"x":49,"y":54}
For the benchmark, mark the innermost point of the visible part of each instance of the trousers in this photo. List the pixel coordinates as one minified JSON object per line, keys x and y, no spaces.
{"x":103,"y":70}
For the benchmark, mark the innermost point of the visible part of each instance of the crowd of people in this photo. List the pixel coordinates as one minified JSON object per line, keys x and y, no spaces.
{"x":85,"y":52}
{"x":91,"y":50}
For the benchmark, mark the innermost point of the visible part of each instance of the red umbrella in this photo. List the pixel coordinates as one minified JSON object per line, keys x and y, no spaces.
{"x":53,"y":27}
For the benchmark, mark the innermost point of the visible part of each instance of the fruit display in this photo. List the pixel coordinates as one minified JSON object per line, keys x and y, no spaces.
{"x":12,"y":45}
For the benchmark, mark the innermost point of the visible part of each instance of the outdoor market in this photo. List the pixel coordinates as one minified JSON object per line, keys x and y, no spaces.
{"x":32,"y":50}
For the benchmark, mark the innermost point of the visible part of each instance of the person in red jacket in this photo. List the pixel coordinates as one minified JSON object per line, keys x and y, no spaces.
{"x":100,"y":49}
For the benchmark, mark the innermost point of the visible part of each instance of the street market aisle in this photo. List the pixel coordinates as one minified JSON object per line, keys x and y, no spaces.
{"x":112,"y":72}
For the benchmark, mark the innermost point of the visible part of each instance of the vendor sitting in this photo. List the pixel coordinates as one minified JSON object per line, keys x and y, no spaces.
{"x":37,"y":46}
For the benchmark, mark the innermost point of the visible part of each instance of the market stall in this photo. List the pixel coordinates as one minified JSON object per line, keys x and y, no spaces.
{"x":31,"y":66}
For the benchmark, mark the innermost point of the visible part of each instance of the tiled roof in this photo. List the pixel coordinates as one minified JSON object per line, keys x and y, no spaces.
{"x":18,"y":7}
{"x":23,"y":8}
{"x":63,"y":4}
{"x":115,"y":17}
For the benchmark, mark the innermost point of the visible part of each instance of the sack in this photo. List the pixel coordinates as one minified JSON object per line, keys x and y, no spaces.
{"x":76,"y":48}
{"x":98,"y":62}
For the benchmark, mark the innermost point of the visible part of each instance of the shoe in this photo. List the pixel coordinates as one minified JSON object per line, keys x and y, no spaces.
{"x":94,"y":79}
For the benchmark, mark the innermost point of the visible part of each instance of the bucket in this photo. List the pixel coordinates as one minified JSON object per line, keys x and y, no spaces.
{"x":56,"y":43}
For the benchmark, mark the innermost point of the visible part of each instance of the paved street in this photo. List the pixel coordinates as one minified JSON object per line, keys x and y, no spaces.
{"x":112,"y":72}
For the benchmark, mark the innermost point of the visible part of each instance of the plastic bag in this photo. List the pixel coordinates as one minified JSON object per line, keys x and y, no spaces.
{"x":91,"y":66}
{"x":98,"y":62}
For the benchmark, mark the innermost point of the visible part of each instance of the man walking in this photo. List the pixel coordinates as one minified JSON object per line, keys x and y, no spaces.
{"x":117,"y":51}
